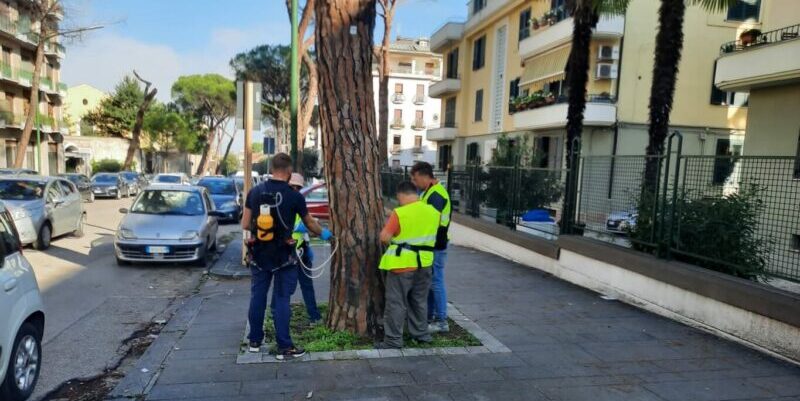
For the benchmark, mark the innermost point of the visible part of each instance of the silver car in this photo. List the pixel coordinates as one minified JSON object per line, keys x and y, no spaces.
{"x":43,"y":208}
{"x":168,"y":223}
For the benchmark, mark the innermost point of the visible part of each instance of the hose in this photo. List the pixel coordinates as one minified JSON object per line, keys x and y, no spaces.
{"x":319,"y":268}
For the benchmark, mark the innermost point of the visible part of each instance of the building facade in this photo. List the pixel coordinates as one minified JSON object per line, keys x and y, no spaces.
{"x":412,"y":111}
{"x":504,"y":73}
{"x":18,"y":41}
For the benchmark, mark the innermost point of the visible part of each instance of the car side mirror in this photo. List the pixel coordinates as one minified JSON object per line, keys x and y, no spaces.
{"x":123,"y":210}
{"x":216,"y":213}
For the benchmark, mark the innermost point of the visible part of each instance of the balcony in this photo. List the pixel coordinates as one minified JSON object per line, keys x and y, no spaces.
{"x":395,"y":148}
{"x":541,"y":111}
{"x":398,"y":98}
{"x":397,"y":124}
{"x":476,"y":18}
{"x":444,"y":87}
{"x":54,"y":49}
{"x":7,"y":25}
{"x":418,"y":149}
{"x":446,"y":133}
{"x":418,"y":125}
{"x":419,"y":100}
{"x":553,"y":30}
{"x":759,"y":61}
{"x":447,"y":35}
{"x":62,"y":89}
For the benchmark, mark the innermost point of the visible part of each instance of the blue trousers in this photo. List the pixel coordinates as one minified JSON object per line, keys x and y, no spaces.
{"x":307,"y":289}
{"x":285,"y":283}
{"x":437,"y":296}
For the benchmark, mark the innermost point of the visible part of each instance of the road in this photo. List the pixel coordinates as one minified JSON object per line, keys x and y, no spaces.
{"x":92,"y":304}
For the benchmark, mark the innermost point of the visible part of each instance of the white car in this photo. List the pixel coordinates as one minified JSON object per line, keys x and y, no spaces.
{"x":21,"y":317}
{"x":172,"y":178}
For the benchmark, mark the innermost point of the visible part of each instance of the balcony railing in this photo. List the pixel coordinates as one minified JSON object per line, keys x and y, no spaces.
{"x":417,"y":149}
{"x":755,"y":38}
{"x":398,"y":98}
{"x":419,"y":99}
{"x":419,"y":125}
{"x":542,"y":99}
{"x":397,"y":124}
{"x":395,"y":148}
{"x":550,"y":17}
{"x":7,"y":25}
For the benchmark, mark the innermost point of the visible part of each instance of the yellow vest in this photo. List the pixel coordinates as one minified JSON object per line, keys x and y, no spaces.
{"x":299,"y":238}
{"x":413,"y":247}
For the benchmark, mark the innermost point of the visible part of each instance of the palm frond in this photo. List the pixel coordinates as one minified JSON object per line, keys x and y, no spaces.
{"x":713,"y":5}
{"x":613,"y":7}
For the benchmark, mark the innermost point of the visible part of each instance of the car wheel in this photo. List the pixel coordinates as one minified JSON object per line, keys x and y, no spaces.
{"x":79,"y":232}
{"x":44,"y":237}
{"x":24,"y":365}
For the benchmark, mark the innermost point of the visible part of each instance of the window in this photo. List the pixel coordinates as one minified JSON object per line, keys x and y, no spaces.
{"x":450,"y":113}
{"x":452,"y":64}
{"x":542,"y":154}
{"x":525,"y":24}
{"x":479,"y":105}
{"x":420,"y":95}
{"x":419,"y":119}
{"x":744,"y":10}
{"x":478,"y":53}
{"x":430,"y":68}
{"x":472,"y":153}
{"x":724,"y":162}
{"x":11,"y":153}
{"x":797,"y":159}
{"x":8,"y":236}
{"x":53,"y":193}
{"x":398,"y":88}
{"x":478,"y":5}
{"x":796,"y":242}
{"x":396,"y":140}
{"x":513,"y":89}
{"x":398,"y":116}
{"x":395,"y":163}
{"x":418,"y":141}
{"x":66,"y":187}
{"x":445,"y":152}
{"x":722,"y":98}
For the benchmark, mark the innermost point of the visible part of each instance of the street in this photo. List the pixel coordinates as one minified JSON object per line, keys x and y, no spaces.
{"x":92,"y":304}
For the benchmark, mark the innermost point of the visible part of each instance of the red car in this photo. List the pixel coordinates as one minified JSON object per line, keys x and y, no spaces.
{"x":317,"y":200}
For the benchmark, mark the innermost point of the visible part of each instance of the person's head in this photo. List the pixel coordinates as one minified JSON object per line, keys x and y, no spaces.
{"x":296,"y":181}
{"x":422,"y":175}
{"x":281,"y":167}
{"x":406,"y":193}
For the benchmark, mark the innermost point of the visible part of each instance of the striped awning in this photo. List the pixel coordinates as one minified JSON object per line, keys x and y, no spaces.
{"x":548,"y":67}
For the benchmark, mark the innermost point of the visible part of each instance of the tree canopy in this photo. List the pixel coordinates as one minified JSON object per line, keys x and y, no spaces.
{"x":211,"y":96}
{"x":116,"y":114}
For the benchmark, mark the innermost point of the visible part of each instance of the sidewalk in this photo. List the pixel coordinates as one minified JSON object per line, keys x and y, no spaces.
{"x":567,"y":344}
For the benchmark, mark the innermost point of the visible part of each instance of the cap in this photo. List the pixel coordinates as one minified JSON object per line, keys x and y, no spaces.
{"x":297,"y":180}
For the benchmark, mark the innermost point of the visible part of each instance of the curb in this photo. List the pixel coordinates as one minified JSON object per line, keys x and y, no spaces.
{"x":229,"y":264}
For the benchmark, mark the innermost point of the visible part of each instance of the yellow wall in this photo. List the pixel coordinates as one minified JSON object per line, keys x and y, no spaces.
{"x":778,"y":14}
{"x":773,"y":123}
{"x":76,"y":95}
{"x":703,"y":35}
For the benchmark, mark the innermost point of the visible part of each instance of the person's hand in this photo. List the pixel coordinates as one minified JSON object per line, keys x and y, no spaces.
{"x":326,"y":234}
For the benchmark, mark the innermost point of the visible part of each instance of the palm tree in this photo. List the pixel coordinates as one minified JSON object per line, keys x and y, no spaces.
{"x":669,"y":46}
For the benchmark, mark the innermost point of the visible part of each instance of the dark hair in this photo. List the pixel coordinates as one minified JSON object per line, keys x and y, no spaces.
{"x":406,"y":187}
{"x":281,"y":162}
{"x":423,"y":168}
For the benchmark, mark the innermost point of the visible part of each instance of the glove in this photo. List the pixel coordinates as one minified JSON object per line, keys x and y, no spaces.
{"x":326,"y":234}
{"x":301,"y":228}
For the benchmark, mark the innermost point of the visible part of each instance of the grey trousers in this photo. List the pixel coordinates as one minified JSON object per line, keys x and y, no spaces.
{"x":406,"y":299}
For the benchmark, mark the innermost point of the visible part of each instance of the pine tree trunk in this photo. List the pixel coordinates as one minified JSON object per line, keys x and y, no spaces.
{"x":352,"y":161}
{"x":136,"y":133}
{"x":201,"y":167}
{"x":33,"y":109}
{"x":669,"y":45}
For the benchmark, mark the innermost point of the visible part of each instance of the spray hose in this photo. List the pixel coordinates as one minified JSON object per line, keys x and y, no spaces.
{"x":312,"y":270}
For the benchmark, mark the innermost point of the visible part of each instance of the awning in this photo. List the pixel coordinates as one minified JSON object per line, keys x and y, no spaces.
{"x":548,"y":67}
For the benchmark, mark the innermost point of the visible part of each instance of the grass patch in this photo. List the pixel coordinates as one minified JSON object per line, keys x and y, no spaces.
{"x":321,"y":339}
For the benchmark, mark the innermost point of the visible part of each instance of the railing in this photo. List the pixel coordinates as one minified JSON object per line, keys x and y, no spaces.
{"x":417,"y":149}
{"x":419,"y":99}
{"x":551,"y":17}
{"x":7,"y":25}
{"x":542,"y":99}
{"x":397,"y":124}
{"x":62,"y":87}
{"x":398,"y":98}
{"x":449,"y":123}
{"x":419,"y":125}
{"x":395,"y":148}
{"x":754,"y":38}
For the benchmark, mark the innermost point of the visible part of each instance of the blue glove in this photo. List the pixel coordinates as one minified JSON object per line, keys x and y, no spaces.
{"x":300,"y":228}
{"x":326,"y":234}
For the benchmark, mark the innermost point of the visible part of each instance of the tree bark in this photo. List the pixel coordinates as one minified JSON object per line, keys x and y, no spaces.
{"x":352,"y":162}
{"x":136,"y":133}
{"x":585,"y":18}
{"x":227,"y":152}
{"x":383,"y":81}
{"x":307,"y":111}
{"x":24,"y":140}
{"x":201,"y":167}
{"x":669,"y":46}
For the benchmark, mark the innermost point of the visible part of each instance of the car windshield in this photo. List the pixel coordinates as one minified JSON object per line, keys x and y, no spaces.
{"x":21,"y":190}
{"x":129,"y":176}
{"x":218,"y":187}
{"x":105,"y":178}
{"x":174,"y":179}
{"x":169,"y":202}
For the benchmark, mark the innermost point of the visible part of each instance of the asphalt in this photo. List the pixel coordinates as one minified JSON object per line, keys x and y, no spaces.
{"x":566,"y":343}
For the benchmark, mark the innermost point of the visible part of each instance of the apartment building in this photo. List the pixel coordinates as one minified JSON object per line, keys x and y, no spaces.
{"x":504,"y":73}
{"x":18,"y":40}
{"x":412,"y":111}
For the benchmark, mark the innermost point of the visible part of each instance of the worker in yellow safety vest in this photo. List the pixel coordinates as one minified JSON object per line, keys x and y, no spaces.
{"x":410,"y":234}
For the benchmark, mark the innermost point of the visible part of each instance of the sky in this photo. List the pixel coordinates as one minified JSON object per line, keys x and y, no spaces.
{"x":164,"y":39}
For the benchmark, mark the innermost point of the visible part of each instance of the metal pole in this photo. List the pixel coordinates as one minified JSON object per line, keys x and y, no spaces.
{"x":295,"y":82}
{"x":247,"y":119}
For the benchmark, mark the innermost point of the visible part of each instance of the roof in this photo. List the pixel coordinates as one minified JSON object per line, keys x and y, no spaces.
{"x":28,"y":177}
{"x":175,"y":187}
{"x":411,"y":45}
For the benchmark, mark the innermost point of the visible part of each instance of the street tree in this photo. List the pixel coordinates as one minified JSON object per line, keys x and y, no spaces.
{"x":147,"y":100}
{"x":344,"y":45}
{"x":43,"y":28}
{"x":387,"y":9}
{"x":211,"y":98}
{"x":305,"y":44}
{"x":115,"y":116}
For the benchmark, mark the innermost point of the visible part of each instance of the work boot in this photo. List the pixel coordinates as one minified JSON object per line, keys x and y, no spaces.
{"x":438,"y":326}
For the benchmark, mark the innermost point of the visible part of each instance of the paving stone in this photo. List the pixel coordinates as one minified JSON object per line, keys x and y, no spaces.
{"x":368,"y":353}
{"x":784,"y":386}
{"x":439,"y":392}
{"x":407,"y":364}
{"x":214,"y":370}
{"x":390,"y":353}
{"x":194,"y":390}
{"x":456,"y":376}
{"x":600,"y":393}
{"x":632,"y":351}
{"x":701,"y":390}
{"x":471,"y":361}
{"x":366,"y":394}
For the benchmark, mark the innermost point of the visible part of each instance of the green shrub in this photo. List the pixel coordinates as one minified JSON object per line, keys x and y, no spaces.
{"x":106,"y":166}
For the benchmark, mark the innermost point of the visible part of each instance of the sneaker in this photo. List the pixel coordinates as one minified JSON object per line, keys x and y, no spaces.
{"x":439,"y":326}
{"x":290,"y":353}
{"x":384,"y":345}
{"x":254,"y":346}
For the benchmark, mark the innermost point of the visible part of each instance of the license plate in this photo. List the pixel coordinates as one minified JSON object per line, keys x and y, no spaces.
{"x":157,"y":250}
{"x":99,"y":191}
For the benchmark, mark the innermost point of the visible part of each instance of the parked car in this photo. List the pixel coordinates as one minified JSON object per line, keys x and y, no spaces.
{"x":43,"y":208}
{"x":225,"y":195}
{"x":240,"y":183}
{"x":622,"y":221}
{"x":168,"y":223}
{"x":134,"y":180}
{"x":172,"y":178}
{"x":110,"y":185}
{"x":18,"y":171}
{"x":317,"y":200}
{"x":22,"y":314}
{"x":83,"y":183}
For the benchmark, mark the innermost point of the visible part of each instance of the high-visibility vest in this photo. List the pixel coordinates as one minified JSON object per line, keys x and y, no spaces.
{"x":413,"y":247}
{"x":299,"y":238}
{"x":444,"y":222}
